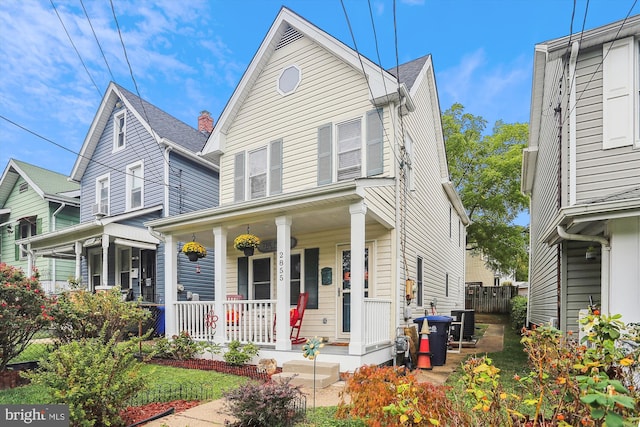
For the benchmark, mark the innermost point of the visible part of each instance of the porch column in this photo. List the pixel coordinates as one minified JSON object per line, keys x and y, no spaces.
{"x":105,"y":260}
{"x":219,"y":278}
{"x":283,"y":287}
{"x":78,"y":252}
{"x":170,"y":285}
{"x":356,"y":342}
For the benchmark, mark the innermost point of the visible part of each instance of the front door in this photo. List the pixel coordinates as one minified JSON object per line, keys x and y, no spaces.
{"x":148,"y":275}
{"x":344,"y":297}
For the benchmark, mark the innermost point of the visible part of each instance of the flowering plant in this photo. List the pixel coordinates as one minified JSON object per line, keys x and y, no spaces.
{"x":195,"y":248}
{"x":245,"y":241}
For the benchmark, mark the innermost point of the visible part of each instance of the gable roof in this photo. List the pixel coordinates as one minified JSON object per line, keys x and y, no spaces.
{"x":165,"y":129}
{"x":48,"y":184}
{"x":409,"y":71}
{"x":289,"y":25}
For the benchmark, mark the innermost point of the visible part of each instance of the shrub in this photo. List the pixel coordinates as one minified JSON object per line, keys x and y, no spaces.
{"x":238,"y":354}
{"x":24,"y":310}
{"x":95,"y":377}
{"x":518,"y":312}
{"x":275,"y":403}
{"x":180,"y":347}
{"x":82,"y":314}
{"x":388,"y":396}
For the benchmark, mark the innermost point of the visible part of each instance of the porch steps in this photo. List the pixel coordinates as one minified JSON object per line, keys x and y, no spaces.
{"x":301,"y":373}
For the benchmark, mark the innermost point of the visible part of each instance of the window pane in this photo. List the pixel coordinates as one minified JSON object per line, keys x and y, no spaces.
{"x":258,"y":186}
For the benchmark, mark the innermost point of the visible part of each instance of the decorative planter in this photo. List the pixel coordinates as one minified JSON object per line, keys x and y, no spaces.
{"x":192,"y":256}
{"x":248,"y":251}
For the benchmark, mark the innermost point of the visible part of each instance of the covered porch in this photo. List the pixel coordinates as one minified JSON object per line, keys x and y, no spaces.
{"x":329,"y":242}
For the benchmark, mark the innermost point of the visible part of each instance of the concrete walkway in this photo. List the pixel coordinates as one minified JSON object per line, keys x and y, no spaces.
{"x":214,"y":414}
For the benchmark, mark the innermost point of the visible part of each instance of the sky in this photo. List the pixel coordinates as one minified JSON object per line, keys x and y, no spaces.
{"x":185,"y":56}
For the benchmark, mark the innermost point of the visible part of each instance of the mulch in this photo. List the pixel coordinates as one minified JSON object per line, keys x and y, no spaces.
{"x":135,"y":414}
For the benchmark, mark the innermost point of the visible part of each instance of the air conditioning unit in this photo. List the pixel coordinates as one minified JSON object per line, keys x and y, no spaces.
{"x":100,"y":209}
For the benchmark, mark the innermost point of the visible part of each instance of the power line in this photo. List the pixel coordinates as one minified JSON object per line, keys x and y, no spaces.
{"x":74,"y":47}
{"x":95,"y":36}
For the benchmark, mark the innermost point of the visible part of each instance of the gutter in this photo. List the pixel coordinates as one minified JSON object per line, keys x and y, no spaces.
{"x":605,"y":286}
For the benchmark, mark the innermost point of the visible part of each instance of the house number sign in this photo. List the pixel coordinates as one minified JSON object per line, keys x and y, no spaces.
{"x":271,"y":245}
{"x":281,"y":266}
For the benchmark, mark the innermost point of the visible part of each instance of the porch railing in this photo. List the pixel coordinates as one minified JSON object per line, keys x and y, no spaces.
{"x":377,"y":318}
{"x":243,"y":320}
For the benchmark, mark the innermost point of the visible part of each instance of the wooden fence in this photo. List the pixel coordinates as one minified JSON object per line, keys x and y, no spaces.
{"x":489,"y":299}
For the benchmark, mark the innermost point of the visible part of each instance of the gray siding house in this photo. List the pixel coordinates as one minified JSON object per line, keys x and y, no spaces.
{"x":338,"y":166}
{"x":137,"y":164}
{"x":582,"y":171}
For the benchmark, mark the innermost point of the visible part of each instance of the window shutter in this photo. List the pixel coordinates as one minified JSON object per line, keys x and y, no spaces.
{"x":617,"y":93}
{"x":243,"y":276}
{"x":238,"y":178}
{"x":275,"y":178}
{"x":375,"y":165}
{"x":325,"y":145}
{"x":311,"y":271}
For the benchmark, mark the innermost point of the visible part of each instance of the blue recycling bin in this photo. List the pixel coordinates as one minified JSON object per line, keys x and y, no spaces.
{"x":159,"y":323}
{"x":438,"y":337}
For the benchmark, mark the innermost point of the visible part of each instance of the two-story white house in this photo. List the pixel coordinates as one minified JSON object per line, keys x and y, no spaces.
{"x":339,"y":166}
{"x":582,"y":171}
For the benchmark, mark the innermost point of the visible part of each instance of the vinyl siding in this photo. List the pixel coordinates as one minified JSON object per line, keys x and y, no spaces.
{"x":140,"y":145}
{"x":625,"y":269}
{"x":544,"y":263}
{"x":583,"y":281}
{"x":330,"y":92}
{"x":599,"y":172}
{"x":329,"y":242}
{"x":201,"y":283}
{"x":192,"y":186}
{"x":382,"y":201}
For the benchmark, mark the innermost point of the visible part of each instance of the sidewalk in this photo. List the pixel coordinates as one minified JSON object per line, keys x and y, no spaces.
{"x":213,"y":413}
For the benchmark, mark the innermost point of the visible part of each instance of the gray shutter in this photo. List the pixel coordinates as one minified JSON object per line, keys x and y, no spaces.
{"x":243,"y":276}
{"x":375,"y":165}
{"x":275,"y":176}
{"x":311,"y":272}
{"x":325,"y":153}
{"x":238,"y":178}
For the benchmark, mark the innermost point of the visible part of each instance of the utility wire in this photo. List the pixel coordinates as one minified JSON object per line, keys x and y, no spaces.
{"x":74,"y":47}
{"x":95,"y":36}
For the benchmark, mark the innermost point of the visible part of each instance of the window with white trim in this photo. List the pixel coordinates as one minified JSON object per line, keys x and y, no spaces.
{"x":95,"y":267}
{"x":289,"y":80}
{"x":261,"y":176}
{"x":135,"y":185}
{"x":123,"y":266}
{"x":119,"y":130}
{"x":102,"y":195}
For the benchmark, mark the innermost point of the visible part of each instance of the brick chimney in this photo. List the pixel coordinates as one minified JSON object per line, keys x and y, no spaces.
{"x":205,"y":122}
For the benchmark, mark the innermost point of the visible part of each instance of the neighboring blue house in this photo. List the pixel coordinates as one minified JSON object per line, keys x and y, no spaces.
{"x":137,"y":163}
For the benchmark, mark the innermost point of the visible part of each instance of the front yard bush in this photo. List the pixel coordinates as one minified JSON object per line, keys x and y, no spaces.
{"x":24,"y":310}
{"x":181,"y":347}
{"x":238,"y":354}
{"x":82,"y":314}
{"x":518,"y":312}
{"x":95,"y":377}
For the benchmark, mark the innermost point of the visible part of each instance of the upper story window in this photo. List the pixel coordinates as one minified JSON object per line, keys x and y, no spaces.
{"x":119,"y":130}
{"x":258,"y":173}
{"x":289,"y":80}
{"x":358,"y":148}
{"x":135,"y":185}
{"x":101,"y":206}
{"x":27,"y":227}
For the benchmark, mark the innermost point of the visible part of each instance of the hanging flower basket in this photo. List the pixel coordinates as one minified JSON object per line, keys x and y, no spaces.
{"x":194,"y":251}
{"x":246,"y":243}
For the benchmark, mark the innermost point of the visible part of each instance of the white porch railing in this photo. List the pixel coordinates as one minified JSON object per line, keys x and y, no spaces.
{"x":377,"y":321}
{"x":243,"y":320}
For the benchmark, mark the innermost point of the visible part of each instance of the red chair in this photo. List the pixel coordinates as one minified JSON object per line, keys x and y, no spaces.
{"x":297,"y":314}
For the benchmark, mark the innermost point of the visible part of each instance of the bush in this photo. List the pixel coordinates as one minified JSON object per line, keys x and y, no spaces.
{"x":95,"y":378}
{"x":24,"y":310}
{"x":275,"y":403}
{"x":518,"y":312}
{"x":180,"y":347}
{"x":82,"y":314}
{"x":388,"y":396}
{"x":238,"y":354}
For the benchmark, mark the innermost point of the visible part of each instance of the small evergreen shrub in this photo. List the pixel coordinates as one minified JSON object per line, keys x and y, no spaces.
{"x":96,"y":377}
{"x":518,"y":312}
{"x":272,"y":404}
{"x":24,"y":310}
{"x":180,"y":347}
{"x":238,"y":354}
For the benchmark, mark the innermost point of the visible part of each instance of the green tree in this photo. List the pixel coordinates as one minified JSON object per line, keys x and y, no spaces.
{"x":485,"y":169}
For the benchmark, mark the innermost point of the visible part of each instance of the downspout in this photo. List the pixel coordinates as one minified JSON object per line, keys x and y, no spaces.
{"x":606,"y":254}
{"x":155,"y":234}
{"x":166,"y":181}
{"x":572,"y":122}
{"x":53,"y":228}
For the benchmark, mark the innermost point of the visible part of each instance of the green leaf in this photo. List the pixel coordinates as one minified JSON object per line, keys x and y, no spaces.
{"x":614,"y":420}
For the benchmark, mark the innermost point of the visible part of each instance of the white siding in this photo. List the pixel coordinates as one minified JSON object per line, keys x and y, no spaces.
{"x":583,"y":281}
{"x":625,"y":269}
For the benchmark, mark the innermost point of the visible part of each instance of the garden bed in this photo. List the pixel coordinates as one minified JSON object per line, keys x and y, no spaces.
{"x":11,"y":378}
{"x":250,"y":371}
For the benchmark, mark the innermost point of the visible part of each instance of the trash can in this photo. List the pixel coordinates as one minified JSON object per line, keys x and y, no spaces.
{"x":159,"y":324}
{"x":438,"y":336}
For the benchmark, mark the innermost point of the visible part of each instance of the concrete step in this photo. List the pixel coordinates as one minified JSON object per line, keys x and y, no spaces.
{"x":306,"y":367}
{"x":306,"y":380}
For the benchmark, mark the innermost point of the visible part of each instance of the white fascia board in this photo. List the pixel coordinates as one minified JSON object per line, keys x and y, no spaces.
{"x":189,"y":154}
{"x":529,"y":159}
{"x":456,"y":202}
